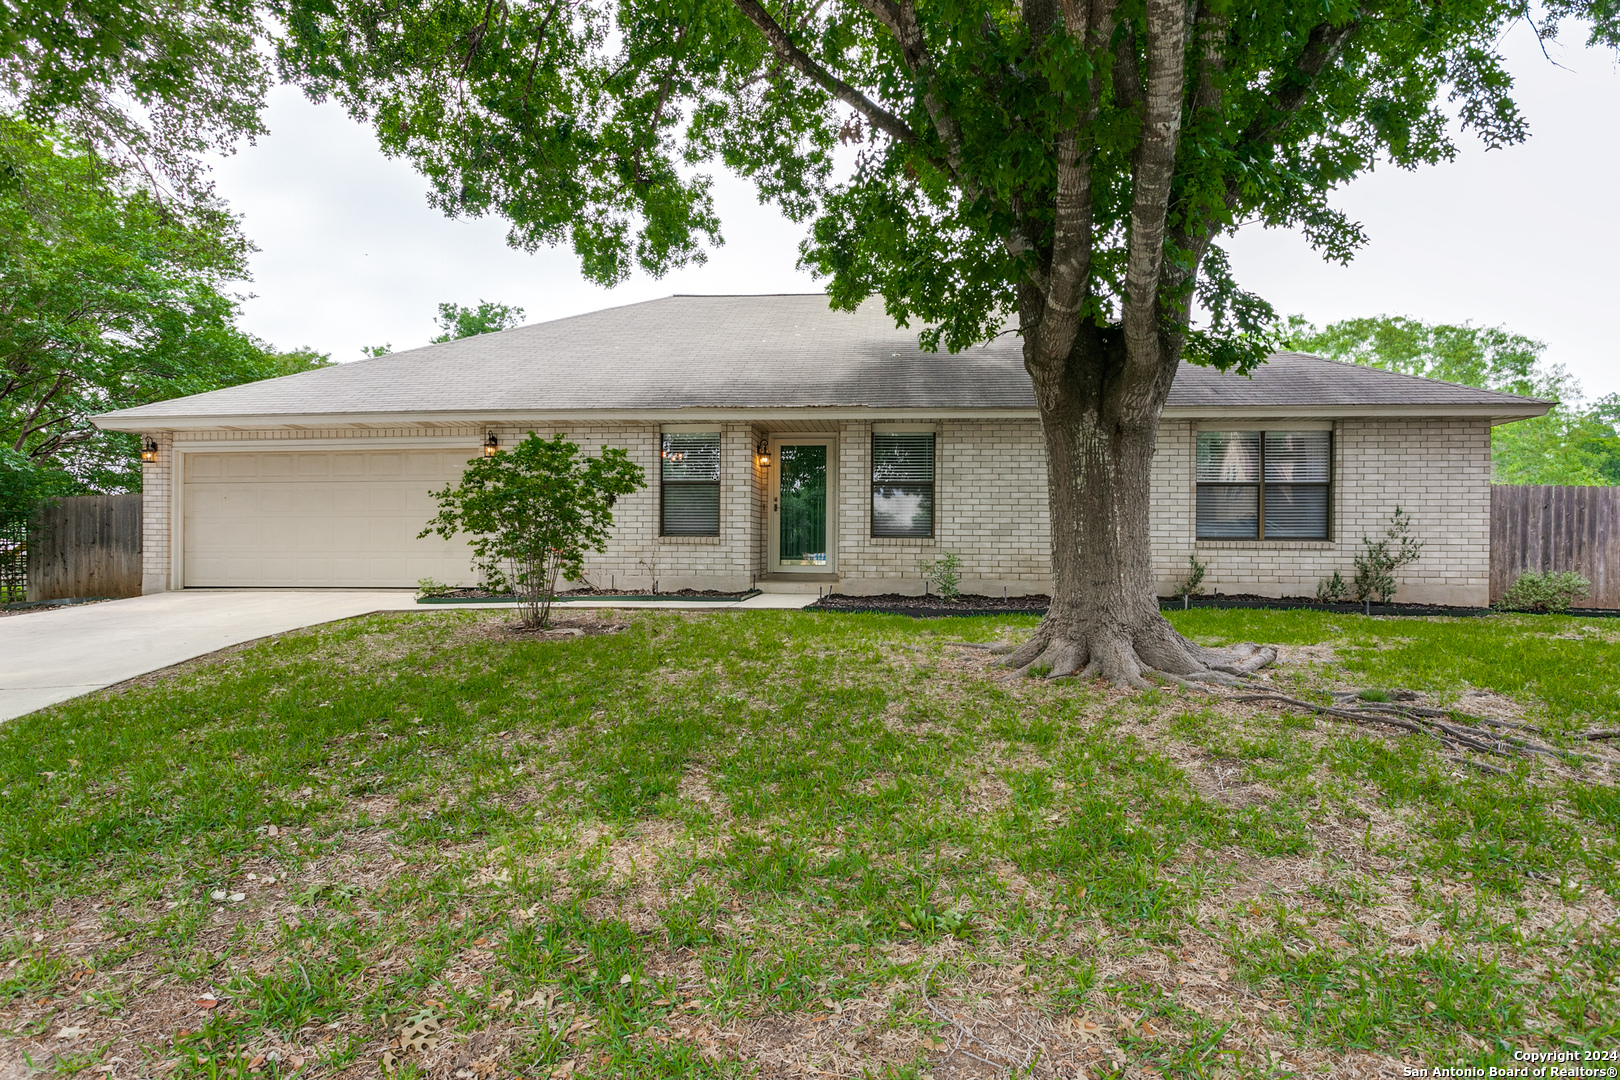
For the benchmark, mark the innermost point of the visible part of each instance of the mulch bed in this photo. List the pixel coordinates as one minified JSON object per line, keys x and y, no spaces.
{"x":932,"y":607}
{"x":575,"y":594}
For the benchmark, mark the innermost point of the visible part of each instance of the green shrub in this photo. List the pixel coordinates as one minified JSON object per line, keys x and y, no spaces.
{"x":1555,"y":591}
{"x":427,"y":588}
{"x":1193,"y":585}
{"x":945,"y":575}
{"x":1333,"y":590}
{"x":1379,"y":559}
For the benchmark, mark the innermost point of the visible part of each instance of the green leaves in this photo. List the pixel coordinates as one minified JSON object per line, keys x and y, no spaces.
{"x":534,"y":512}
{"x":592,"y":124}
{"x":112,"y":298}
{"x":456,"y":321}
{"x":1575,"y":443}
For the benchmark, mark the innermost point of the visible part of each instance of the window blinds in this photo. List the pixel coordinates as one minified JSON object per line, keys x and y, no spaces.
{"x":903,"y":484}
{"x":1272,"y":484}
{"x":690,"y":475}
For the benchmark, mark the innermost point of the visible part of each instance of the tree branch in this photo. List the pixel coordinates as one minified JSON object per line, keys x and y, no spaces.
{"x":1153,"y":171}
{"x":1291,"y":89}
{"x":783,"y":46}
{"x":1289,"y":94}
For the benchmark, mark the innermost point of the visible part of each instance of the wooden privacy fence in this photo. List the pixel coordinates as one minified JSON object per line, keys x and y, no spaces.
{"x":87,"y":545}
{"x":1546,"y":528}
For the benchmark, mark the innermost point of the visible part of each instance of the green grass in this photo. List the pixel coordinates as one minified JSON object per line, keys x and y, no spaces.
{"x":705,"y":842}
{"x":1562,"y":665}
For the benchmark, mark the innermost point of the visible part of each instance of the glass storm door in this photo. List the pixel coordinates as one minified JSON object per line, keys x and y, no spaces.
{"x":802,"y":527}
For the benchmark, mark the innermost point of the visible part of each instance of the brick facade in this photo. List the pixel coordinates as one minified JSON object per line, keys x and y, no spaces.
{"x":990,"y":507}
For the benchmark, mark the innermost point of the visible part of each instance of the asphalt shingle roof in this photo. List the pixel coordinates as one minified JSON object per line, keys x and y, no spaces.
{"x":766,"y":352}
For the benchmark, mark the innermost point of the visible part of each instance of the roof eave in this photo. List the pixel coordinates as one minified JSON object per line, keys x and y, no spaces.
{"x":134,"y":421}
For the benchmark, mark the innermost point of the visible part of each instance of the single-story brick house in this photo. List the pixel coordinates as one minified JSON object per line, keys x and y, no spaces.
{"x":800,"y":447}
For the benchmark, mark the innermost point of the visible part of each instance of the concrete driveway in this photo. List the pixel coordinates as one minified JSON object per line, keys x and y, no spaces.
{"x":59,"y":653}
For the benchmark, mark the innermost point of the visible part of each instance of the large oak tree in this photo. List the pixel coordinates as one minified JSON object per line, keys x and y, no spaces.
{"x":1067,"y":164}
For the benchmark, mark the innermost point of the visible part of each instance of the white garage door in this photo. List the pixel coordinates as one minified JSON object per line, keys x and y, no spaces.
{"x":311,"y":519}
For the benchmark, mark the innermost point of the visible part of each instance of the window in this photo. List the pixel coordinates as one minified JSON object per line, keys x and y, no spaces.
{"x":1270,"y":485}
{"x":903,"y":484}
{"x":690,"y":483}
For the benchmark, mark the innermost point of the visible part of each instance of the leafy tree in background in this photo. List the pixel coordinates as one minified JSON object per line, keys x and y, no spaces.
{"x":1575,"y":443}
{"x":1065,"y":165}
{"x":456,"y":321}
{"x":109,"y":297}
{"x":149,"y":87}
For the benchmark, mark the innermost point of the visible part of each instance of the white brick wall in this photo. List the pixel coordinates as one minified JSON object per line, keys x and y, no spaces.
{"x":155,"y":517}
{"x":991,"y":509}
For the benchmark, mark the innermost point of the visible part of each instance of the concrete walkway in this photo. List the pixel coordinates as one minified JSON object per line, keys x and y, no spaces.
{"x":59,"y":653}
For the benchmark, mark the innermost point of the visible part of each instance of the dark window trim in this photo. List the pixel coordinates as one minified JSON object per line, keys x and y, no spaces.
{"x":933,"y":490}
{"x":1261,"y":484}
{"x":664,"y":485}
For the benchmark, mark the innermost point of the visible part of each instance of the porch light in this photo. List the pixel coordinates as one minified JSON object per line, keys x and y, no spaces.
{"x":149,"y":451}
{"x":763,"y":455}
{"x":492,"y":445}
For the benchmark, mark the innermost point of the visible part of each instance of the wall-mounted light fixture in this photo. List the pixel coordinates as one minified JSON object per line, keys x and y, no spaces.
{"x":492,"y":445}
{"x":762,"y":454}
{"x":149,"y":451}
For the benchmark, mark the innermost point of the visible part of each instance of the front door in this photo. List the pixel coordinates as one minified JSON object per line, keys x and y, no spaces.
{"x":803,"y":527}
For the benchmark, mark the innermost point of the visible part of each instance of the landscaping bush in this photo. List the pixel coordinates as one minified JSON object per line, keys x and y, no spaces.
{"x":1333,"y":590}
{"x":945,"y":575}
{"x":1193,"y":584}
{"x":1379,"y":559}
{"x":534,"y":511}
{"x":1534,"y":591}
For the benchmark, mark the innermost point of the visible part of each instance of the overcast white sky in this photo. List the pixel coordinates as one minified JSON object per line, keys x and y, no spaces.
{"x":1525,"y":237}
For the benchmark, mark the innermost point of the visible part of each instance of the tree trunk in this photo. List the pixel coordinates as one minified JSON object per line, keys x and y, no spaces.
{"x":1100,"y":418}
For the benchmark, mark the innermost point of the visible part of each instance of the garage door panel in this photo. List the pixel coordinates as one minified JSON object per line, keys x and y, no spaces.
{"x":315,"y":534}
{"x":203,"y":467}
{"x":318,"y":519}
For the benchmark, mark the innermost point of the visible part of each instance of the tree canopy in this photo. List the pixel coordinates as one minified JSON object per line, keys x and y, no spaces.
{"x":110,"y":297}
{"x":590,"y":123}
{"x":151,"y":87}
{"x":455,"y":321}
{"x":1578,"y":442}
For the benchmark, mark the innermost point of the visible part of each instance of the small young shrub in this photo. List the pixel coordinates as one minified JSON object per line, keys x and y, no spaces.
{"x":427,"y":588}
{"x":1533,"y":591}
{"x":945,"y":575}
{"x":1379,"y":559}
{"x":1193,"y":583}
{"x":1333,"y":590}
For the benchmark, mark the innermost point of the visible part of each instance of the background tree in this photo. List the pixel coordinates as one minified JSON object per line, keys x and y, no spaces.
{"x":150,"y":87}
{"x":109,"y":297}
{"x":1575,"y":443}
{"x":455,"y":321}
{"x":534,"y":512}
{"x":1067,"y":165}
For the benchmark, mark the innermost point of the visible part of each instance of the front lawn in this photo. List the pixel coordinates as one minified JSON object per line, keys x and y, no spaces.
{"x":783,"y":844}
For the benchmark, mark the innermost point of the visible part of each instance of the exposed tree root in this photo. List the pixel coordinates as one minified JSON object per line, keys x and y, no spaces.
{"x":1445,"y":727}
{"x":1132,"y":656}
{"x":1204,"y":669}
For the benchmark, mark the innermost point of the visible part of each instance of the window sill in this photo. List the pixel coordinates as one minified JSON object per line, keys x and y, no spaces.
{"x":1276,"y":545}
{"x":689,"y":539}
{"x":903,"y":541}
